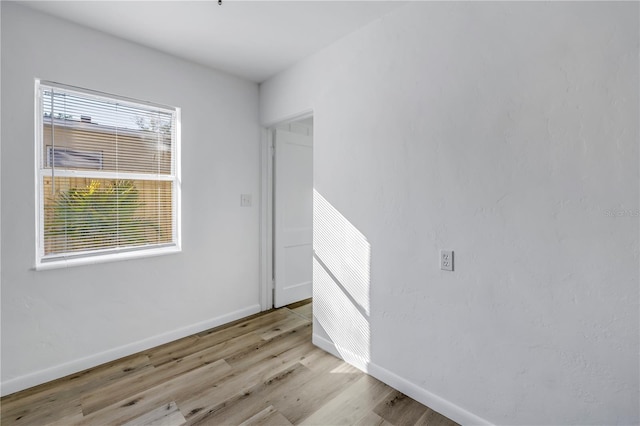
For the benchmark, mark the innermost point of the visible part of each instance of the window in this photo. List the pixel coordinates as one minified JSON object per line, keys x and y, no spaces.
{"x":107,"y":177}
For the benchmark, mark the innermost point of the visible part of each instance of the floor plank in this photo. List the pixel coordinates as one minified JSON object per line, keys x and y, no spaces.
{"x":186,"y":385}
{"x":398,"y":408}
{"x":303,"y":399}
{"x":304,"y":310}
{"x":432,"y":418}
{"x":50,"y":412}
{"x":67,"y":390}
{"x":255,"y":400}
{"x":242,"y":384}
{"x":372,"y":419}
{"x":270,"y":348}
{"x":166,"y":415}
{"x":352,"y":404}
{"x":267,"y":417}
{"x":70,"y":419}
{"x":262,"y":370}
{"x":288,"y":324}
{"x":146,"y":379}
{"x":176,"y":350}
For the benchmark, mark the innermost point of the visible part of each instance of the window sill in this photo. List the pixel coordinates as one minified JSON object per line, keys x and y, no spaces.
{"x":111,"y":257}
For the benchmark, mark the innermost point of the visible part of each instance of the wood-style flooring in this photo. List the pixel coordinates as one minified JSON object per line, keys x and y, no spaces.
{"x":262,"y":370}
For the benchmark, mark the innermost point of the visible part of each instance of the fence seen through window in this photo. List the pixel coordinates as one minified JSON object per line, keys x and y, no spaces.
{"x":107,"y":175}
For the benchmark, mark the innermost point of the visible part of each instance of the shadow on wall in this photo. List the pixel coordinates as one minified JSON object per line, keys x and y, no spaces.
{"x":341,"y":283}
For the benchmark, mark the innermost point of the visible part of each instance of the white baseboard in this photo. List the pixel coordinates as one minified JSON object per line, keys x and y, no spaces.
{"x":431,"y":400}
{"x":36,"y":378}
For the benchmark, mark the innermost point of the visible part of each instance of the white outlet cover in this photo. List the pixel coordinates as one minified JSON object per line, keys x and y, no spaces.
{"x":446,"y":260}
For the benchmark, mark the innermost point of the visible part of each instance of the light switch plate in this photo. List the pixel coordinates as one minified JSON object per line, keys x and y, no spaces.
{"x":245,"y":200}
{"x":446,"y":260}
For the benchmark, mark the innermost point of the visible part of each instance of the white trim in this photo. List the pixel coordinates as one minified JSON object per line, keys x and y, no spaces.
{"x":90,"y":259}
{"x":63,"y":260}
{"x":37,"y":122}
{"x":33,"y":379}
{"x":290,"y":118}
{"x":94,"y":174}
{"x":266,"y":228}
{"x":431,"y":400}
{"x":177,"y":172}
{"x":95,"y":94}
{"x":266,"y":206}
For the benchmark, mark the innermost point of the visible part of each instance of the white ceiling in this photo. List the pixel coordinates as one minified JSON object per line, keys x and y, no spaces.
{"x":252,"y":39}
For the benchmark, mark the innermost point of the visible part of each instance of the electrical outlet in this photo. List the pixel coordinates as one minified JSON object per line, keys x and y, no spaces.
{"x":446,"y":260}
{"x":245,"y":200}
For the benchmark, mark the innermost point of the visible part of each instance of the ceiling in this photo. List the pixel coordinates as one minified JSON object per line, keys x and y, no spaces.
{"x":252,"y":39}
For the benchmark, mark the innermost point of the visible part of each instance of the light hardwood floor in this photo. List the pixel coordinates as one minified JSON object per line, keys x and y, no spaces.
{"x":262,"y":370}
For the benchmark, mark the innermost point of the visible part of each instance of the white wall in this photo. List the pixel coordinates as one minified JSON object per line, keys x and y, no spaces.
{"x":507,"y":132}
{"x":56,"y":322}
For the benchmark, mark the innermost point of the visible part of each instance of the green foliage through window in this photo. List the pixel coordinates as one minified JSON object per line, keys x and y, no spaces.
{"x":100,"y":215}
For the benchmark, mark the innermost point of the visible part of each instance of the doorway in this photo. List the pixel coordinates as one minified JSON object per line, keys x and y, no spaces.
{"x":291,"y":196}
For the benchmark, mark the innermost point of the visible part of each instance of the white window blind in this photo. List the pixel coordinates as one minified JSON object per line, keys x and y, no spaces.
{"x":107,"y":175}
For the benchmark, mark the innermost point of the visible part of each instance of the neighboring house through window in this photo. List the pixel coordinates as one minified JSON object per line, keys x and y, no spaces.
{"x":107,"y":177}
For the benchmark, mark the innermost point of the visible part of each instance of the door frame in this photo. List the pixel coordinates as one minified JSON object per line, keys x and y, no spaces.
{"x":267,"y":283}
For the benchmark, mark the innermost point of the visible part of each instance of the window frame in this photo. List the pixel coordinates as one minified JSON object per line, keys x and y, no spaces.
{"x":44,"y":262}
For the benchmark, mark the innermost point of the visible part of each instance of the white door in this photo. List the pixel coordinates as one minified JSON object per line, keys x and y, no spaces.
{"x":293,"y":217}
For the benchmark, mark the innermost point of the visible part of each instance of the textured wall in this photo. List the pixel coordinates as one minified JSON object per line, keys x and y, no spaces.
{"x":54,"y":322}
{"x":507,"y":132}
